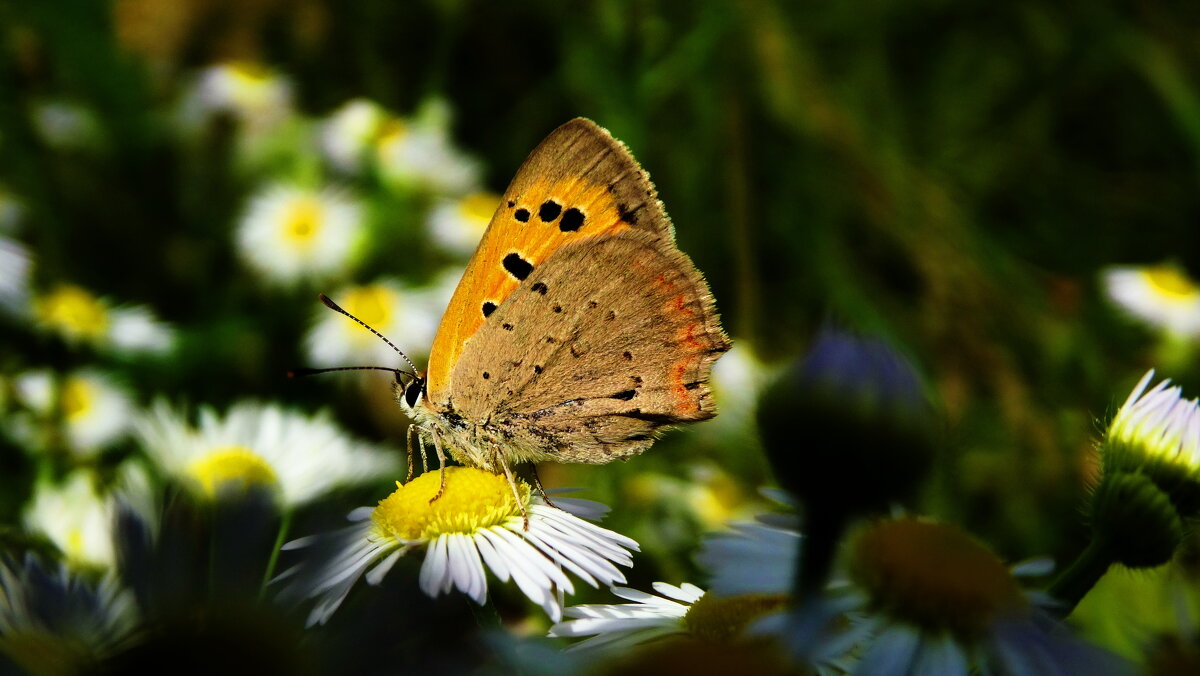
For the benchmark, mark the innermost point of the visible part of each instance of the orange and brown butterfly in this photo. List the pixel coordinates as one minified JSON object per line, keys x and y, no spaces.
{"x":579,"y":330}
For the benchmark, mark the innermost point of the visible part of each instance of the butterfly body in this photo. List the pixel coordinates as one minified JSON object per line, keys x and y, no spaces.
{"x":579,"y":331}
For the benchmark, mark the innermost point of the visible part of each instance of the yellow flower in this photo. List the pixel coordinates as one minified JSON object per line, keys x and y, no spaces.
{"x":1163,"y":296}
{"x":477,"y":524}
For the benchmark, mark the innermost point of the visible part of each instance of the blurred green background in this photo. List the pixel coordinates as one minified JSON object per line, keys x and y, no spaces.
{"x":950,"y":175}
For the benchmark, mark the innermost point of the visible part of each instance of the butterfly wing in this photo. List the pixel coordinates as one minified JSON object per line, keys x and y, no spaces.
{"x":604,"y":343}
{"x":579,"y":183}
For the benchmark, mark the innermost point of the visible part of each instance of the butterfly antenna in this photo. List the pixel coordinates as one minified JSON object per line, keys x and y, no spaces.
{"x":337,"y":308}
{"x":301,"y":372}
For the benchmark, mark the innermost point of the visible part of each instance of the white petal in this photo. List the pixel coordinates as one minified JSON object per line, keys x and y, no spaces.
{"x":435,"y":568}
{"x":520,"y":574}
{"x":375,"y":575}
{"x":689,"y":593}
{"x":493,"y":560}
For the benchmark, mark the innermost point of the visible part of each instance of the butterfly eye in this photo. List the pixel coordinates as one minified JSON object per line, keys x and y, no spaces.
{"x":412,"y":393}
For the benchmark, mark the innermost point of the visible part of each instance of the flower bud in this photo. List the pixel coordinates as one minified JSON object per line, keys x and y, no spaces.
{"x":848,"y":427}
{"x":1134,"y":521}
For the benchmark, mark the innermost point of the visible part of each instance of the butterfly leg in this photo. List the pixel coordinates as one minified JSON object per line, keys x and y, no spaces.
{"x":512,"y":483}
{"x":437,"y":447}
{"x":537,"y":483}
{"x":421,"y":443}
{"x":408,"y":435}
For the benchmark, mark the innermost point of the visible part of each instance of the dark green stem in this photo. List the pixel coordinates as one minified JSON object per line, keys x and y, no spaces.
{"x":285,"y":523}
{"x":1078,"y":579}
{"x":823,"y":533}
{"x":211,"y":508}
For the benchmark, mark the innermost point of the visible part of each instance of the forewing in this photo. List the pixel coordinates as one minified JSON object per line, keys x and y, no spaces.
{"x":579,"y":183}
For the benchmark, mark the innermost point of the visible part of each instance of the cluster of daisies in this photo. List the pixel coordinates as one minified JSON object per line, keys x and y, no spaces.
{"x":112,"y":464}
{"x":823,"y":582}
{"x":101,"y":451}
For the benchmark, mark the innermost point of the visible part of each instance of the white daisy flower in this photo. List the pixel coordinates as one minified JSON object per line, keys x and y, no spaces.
{"x":73,"y":312}
{"x":289,"y":234}
{"x":95,"y":410}
{"x":76,"y":518}
{"x":1149,"y":487}
{"x":420,"y":153}
{"x":53,"y":622}
{"x":1159,"y":425}
{"x":15,"y":266}
{"x":926,"y":598}
{"x":255,"y":95}
{"x":1160,"y":295}
{"x":621,"y":626}
{"x":136,"y":329}
{"x":300,"y":456}
{"x":80,"y":316}
{"x":346,"y":136}
{"x":457,"y":225}
{"x":390,"y":307}
{"x":686,"y":609}
{"x":475,"y":526}
{"x":751,"y":558}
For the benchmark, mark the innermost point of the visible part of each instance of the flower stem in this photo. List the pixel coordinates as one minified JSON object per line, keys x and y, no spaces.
{"x":824,"y":531}
{"x":285,"y":523}
{"x":1077,"y":580}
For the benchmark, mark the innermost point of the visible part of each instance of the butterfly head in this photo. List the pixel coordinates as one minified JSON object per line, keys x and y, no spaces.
{"x":410,"y":393}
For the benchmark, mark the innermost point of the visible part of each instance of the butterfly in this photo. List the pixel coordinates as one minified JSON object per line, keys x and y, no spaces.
{"x":579,"y":330}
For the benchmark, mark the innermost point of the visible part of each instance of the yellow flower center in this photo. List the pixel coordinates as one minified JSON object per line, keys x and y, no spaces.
{"x":1171,"y":282}
{"x":249,"y":73}
{"x":373,"y":304}
{"x":477,"y":209}
{"x":473,"y":500}
{"x":76,"y":398}
{"x":74,"y":548}
{"x":73,"y":311}
{"x":713,"y":618}
{"x":390,"y":133}
{"x":231,"y":464}
{"x":934,"y":576}
{"x":303,"y":222}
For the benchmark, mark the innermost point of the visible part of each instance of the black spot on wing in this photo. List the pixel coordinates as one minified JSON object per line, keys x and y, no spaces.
{"x":629,"y":215}
{"x":571,"y":221}
{"x":549,"y":210}
{"x":521,"y":215}
{"x":517,"y":267}
{"x":540,"y":288}
{"x":488,"y":308}
{"x":624,"y":395}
